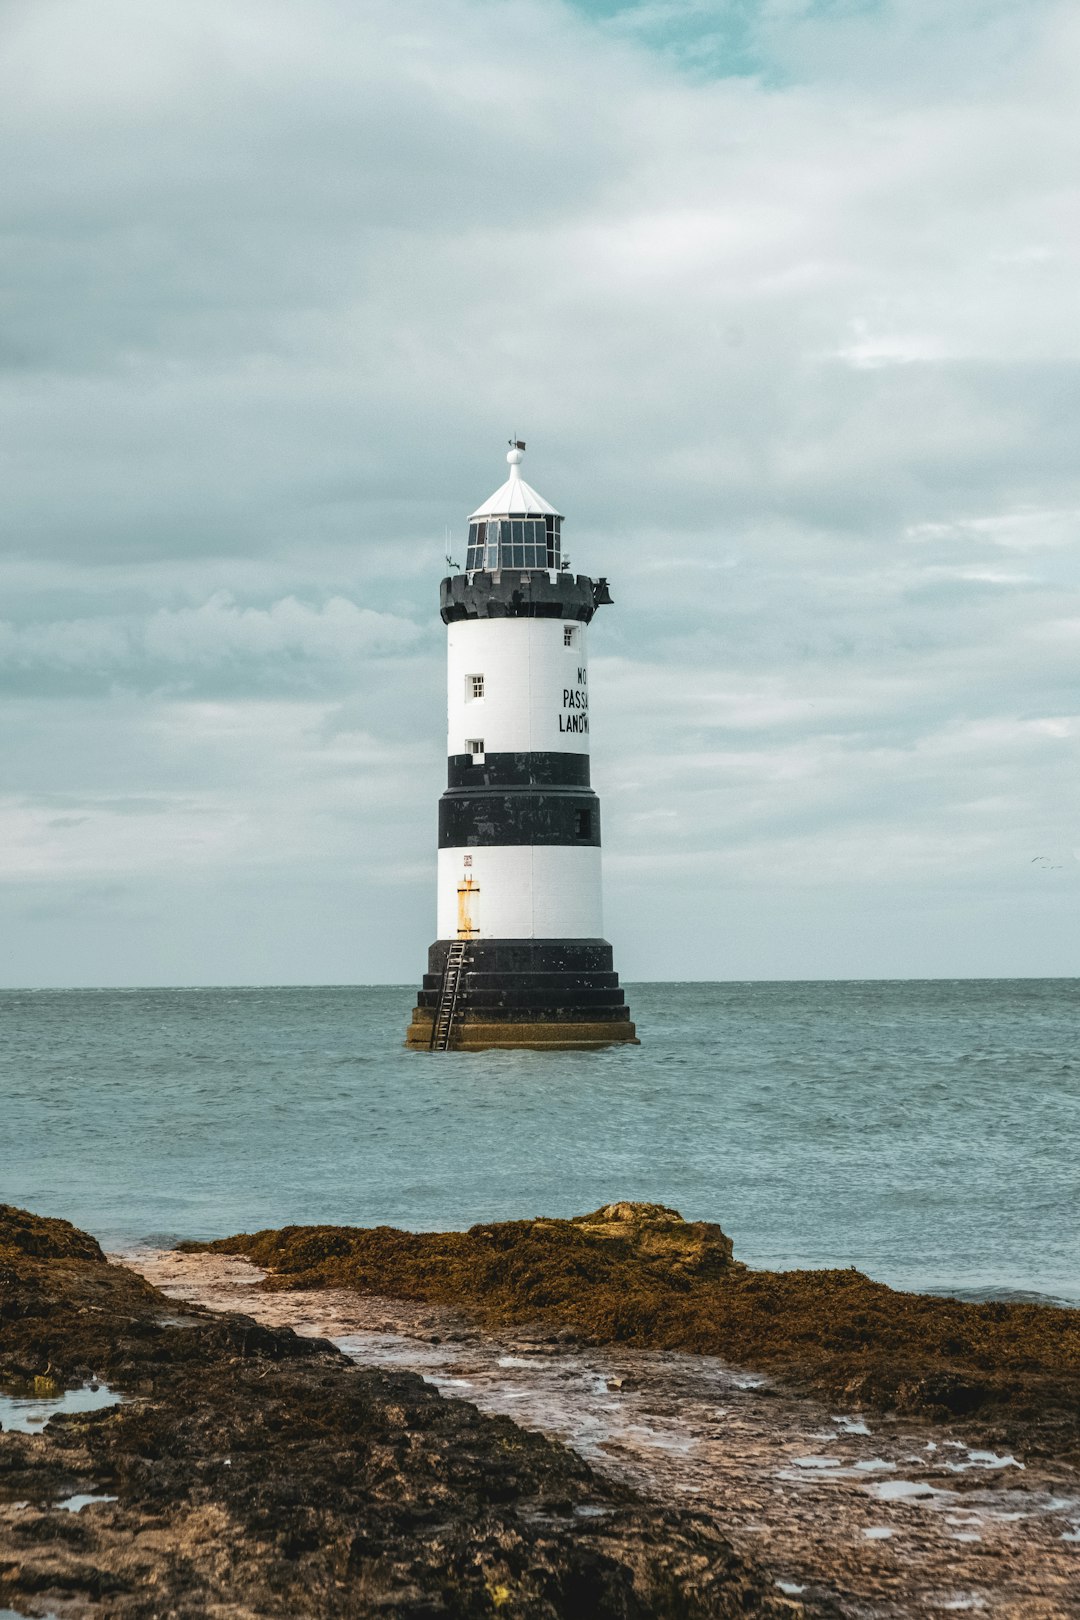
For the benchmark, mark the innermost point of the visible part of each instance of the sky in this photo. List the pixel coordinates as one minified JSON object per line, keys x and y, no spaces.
{"x":784,"y":298}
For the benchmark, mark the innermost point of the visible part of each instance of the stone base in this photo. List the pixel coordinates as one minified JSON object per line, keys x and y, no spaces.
{"x":534,"y":993}
{"x":564,"y":1036}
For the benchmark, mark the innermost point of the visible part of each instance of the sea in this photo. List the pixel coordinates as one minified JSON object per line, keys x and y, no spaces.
{"x":925,"y":1132}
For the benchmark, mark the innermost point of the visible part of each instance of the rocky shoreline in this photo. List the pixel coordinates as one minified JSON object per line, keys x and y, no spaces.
{"x":879,"y":1514}
{"x":250,"y":1471}
{"x":638,"y":1274}
{"x":253,"y":1470}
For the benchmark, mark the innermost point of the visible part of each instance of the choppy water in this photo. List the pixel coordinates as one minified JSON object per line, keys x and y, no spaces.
{"x":925,"y":1132}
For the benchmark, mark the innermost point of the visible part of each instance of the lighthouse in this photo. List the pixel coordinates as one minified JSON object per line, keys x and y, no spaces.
{"x":520,"y":959}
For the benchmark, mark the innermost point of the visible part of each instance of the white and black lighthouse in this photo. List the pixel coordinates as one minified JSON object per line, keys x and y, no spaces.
{"x":520,"y":959}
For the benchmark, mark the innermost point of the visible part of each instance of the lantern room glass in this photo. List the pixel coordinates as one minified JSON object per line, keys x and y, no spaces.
{"x":525,"y":542}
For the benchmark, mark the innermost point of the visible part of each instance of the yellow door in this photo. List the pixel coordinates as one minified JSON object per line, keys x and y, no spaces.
{"x":468,"y":909}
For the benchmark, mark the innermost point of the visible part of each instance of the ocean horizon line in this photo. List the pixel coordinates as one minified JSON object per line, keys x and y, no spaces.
{"x":407,"y":987}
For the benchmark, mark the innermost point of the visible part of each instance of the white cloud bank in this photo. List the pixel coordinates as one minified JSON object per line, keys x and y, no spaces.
{"x":785,"y":301}
{"x":216,"y":632}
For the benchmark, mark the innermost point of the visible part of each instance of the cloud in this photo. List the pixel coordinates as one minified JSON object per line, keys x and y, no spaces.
{"x":289,"y":639}
{"x":782,"y":297}
{"x":337,"y":629}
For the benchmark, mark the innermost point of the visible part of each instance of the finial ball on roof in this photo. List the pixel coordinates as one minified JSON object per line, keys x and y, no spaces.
{"x":516,"y":455}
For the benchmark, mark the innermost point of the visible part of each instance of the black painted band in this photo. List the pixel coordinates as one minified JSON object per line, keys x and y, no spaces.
{"x":517,"y":593}
{"x":496,"y":816}
{"x":518,"y":770}
{"x":603,"y":1002}
{"x":528,"y":956}
{"x":479,"y":980}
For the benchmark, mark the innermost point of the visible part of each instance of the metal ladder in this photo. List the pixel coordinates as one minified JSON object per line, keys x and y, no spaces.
{"x":443,"y":1023}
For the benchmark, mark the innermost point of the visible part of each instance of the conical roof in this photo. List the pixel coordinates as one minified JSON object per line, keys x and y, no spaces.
{"x":515,"y":497}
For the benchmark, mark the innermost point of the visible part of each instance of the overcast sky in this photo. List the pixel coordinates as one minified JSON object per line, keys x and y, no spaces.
{"x":784,"y":297}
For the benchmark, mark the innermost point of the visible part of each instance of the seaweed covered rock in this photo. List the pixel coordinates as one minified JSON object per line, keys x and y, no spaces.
{"x":655,"y":1234}
{"x":610,"y":1274}
{"x":44,"y":1237}
{"x":639,"y":1274}
{"x":254,"y":1472}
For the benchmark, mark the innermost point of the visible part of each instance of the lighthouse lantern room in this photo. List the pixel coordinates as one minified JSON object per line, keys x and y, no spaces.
{"x":520,"y":959}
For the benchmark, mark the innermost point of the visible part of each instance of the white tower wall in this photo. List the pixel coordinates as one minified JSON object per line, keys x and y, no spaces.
{"x":539,"y":891}
{"x":536,"y":691}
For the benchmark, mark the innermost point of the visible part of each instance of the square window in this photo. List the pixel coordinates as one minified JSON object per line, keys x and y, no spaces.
{"x":475,"y":747}
{"x":474,"y":687}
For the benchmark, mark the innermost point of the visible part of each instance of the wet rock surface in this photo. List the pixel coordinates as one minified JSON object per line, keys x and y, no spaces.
{"x":875,"y":1513}
{"x":248,"y":1470}
{"x":638,"y":1274}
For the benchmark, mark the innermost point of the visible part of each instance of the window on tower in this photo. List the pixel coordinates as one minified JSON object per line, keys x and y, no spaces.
{"x":475,"y":747}
{"x":569,"y":635}
{"x":584,"y":823}
{"x":474,"y":687}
